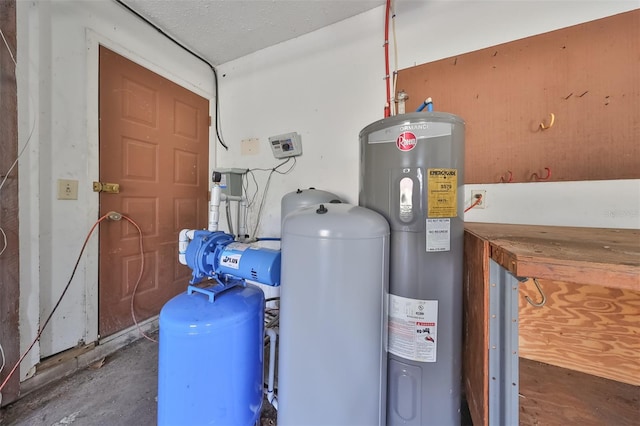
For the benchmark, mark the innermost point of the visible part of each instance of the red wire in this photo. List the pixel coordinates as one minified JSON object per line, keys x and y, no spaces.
{"x":46,"y":322}
{"x":502,"y":179}
{"x":135,"y":288}
{"x":15,"y":367}
{"x":537,"y":177}
{"x":387,"y":107}
{"x":478,"y":201}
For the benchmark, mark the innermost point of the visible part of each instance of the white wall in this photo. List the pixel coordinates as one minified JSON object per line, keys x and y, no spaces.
{"x":328,"y":85}
{"x":58,"y":98}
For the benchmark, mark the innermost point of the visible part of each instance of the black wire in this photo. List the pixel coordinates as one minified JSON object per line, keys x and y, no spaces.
{"x":245,"y":182}
{"x":275,"y":169}
{"x":255,"y":193}
{"x":282,"y":164}
{"x":264,"y":196}
{"x":55,"y":307}
{"x":215,"y":73}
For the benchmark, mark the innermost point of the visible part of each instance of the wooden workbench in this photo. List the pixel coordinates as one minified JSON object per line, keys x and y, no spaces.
{"x":580,"y":352}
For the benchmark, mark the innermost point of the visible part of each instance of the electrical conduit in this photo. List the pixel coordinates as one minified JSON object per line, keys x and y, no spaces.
{"x":387,"y":107}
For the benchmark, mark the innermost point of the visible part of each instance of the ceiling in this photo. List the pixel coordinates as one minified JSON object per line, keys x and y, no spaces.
{"x":224,"y":30}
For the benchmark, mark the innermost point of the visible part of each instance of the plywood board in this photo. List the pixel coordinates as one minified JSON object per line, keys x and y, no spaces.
{"x":476,"y":328}
{"x":598,"y":256}
{"x":555,"y":396}
{"x":585,"y":328}
{"x":585,"y":75}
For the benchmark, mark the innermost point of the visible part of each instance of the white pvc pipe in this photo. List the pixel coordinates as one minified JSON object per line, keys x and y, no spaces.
{"x":239,"y":236}
{"x":225,"y":197}
{"x":273,"y":337}
{"x":185,"y":236}
{"x":242,"y":214}
{"x":228,"y":214}
{"x":214,"y":207}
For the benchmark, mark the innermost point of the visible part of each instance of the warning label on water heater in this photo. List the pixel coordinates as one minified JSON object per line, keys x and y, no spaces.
{"x":438,"y":235}
{"x":442,"y":187}
{"x":413,"y":328}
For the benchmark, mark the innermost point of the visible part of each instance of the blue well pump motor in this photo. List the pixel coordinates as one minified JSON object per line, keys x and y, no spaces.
{"x":216,"y":255}
{"x":210,"y":361}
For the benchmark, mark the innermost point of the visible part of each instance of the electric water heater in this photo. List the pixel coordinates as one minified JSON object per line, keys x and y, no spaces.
{"x":411,"y":172}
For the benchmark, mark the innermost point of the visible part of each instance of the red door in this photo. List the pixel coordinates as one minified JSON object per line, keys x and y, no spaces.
{"x":154,"y":143}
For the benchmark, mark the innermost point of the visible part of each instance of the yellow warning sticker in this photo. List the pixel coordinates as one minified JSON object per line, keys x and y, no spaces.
{"x":442,"y":187}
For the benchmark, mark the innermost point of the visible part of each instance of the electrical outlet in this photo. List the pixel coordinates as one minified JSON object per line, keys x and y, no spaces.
{"x":475,"y":194}
{"x":67,"y":189}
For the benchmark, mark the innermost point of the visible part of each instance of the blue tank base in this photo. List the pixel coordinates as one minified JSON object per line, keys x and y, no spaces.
{"x":210,"y":360}
{"x":213,"y":291}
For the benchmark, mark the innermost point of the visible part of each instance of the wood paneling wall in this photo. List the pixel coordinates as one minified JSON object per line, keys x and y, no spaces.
{"x":9,"y":259}
{"x":587,"y":76}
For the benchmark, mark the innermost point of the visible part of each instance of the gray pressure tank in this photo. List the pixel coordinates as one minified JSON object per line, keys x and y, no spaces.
{"x":411,"y":172}
{"x":332,"y":357}
{"x":303,"y":198}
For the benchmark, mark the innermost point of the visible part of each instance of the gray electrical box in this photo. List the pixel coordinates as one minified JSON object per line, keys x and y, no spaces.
{"x":287,"y":145}
{"x":231,"y":182}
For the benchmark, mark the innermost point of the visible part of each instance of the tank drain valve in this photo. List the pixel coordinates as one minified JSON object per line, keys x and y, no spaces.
{"x":322,"y":209}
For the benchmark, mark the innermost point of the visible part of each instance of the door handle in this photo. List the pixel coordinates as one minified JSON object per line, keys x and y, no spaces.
{"x":110,"y":188}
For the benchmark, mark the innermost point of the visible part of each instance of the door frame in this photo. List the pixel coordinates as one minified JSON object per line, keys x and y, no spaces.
{"x":94,"y":40}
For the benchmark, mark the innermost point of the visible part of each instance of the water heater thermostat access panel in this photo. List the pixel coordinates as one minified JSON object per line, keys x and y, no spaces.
{"x":287,"y":145}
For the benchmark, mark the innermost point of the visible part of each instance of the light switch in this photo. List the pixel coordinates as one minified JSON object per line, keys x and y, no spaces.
{"x":67,"y":189}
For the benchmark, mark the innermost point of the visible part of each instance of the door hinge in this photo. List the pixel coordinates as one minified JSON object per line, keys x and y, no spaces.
{"x":111,"y":188}
{"x":209,"y":121}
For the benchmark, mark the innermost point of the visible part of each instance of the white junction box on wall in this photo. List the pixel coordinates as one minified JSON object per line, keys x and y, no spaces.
{"x":287,"y":145}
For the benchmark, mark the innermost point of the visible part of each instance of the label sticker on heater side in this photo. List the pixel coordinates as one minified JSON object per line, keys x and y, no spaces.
{"x":442,"y":188}
{"x":438,"y":235}
{"x":413,"y":328}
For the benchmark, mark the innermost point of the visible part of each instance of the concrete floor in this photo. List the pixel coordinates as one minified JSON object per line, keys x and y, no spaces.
{"x":119,"y":392}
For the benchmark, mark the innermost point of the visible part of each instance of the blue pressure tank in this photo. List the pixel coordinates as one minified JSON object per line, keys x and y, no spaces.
{"x":210,"y":366}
